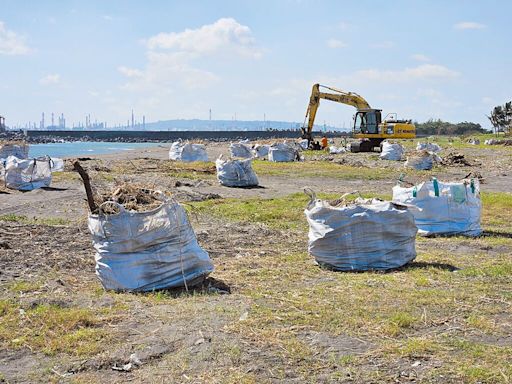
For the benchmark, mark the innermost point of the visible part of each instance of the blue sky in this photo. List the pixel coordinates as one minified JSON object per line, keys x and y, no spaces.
{"x":170,"y":59}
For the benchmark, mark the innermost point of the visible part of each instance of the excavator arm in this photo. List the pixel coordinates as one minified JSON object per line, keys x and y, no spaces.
{"x":338,"y":96}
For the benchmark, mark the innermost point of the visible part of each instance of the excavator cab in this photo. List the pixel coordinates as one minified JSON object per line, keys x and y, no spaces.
{"x":367,"y":121}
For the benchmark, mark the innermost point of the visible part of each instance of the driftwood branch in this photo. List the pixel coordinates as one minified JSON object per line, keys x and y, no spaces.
{"x":87,"y":184}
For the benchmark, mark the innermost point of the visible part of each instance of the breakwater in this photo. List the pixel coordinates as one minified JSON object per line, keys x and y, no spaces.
{"x":34,"y":136}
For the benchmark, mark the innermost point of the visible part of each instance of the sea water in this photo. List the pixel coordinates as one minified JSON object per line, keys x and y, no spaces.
{"x":86,"y":148}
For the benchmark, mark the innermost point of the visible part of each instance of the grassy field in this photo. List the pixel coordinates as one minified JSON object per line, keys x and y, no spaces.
{"x":444,"y":318}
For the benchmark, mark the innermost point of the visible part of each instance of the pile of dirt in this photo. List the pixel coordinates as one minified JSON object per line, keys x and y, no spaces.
{"x":131,"y":197}
{"x":456,"y":159}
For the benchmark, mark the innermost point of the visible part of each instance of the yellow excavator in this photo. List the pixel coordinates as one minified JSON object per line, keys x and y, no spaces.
{"x":368,"y":125}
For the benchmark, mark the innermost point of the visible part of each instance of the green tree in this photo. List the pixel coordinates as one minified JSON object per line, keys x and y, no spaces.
{"x":501,"y":118}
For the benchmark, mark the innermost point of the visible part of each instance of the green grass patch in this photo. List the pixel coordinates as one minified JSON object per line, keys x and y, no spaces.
{"x":52,"y":329}
{"x":323,"y":169}
{"x":281,"y":213}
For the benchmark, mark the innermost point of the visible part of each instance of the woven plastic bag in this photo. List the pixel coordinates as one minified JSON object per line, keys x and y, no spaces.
{"x":27,"y":174}
{"x":391,"y":151}
{"x":187,"y":152}
{"x":443,"y":208}
{"x":236,"y":173}
{"x":282,"y":153}
{"x":375,"y":235}
{"x":144,"y":251}
{"x":240,"y":150}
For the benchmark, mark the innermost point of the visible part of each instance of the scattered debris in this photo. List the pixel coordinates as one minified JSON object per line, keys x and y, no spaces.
{"x":131,"y":197}
{"x":455,"y":159}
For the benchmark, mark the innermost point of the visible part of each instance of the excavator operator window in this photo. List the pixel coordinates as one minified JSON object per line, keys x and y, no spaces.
{"x":360,"y":122}
{"x":372,"y":126}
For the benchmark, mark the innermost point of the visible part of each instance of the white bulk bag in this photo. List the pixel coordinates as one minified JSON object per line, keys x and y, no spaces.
{"x":57,"y":165}
{"x":391,"y":151}
{"x":260,"y":151}
{"x":360,"y":237}
{"x":304,"y":144}
{"x":19,"y":150}
{"x":187,"y":152}
{"x":443,"y":208}
{"x":421,"y":160}
{"x":240,"y":150}
{"x":336,"y":150}
{"x":431,"y":147}
{"x":236,"y":173}
{"x":29,"y":174}
{"x":144,"y":251}
{"x":282,"y":153}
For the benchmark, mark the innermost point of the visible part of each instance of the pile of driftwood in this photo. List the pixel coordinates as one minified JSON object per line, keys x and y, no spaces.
{"x":132,"y":197}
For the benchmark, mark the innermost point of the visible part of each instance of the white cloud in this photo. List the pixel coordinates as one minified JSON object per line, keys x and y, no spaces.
{"x":50,"y":79}
{"x":172,"y":57}
{"x":468,"y":25}
{"x":107,"y":17}
{"x":130,"y":72}
{"x":423,"y":71}
{"x":11,"y":43}
{"x":383,"y":45}
{"x":420,"y":57}
{"x":334,"y":43}
{"x":224,"y":35}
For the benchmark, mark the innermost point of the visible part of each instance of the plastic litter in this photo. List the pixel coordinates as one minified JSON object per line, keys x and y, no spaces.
{"x":282,"y":152}
{"x":144,"y":251}
{"x":443,"y":208}
{"x":431,"y":147}
{"x":374,"y":235}
{"x":236,"y":173}
{"x":27,"y":174}
{"x":187,"y":152}
{"x":391,"y":151}
{"x":240,"y":150}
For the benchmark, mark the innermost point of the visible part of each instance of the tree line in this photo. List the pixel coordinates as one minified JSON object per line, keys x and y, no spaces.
{"x":440,"y":127}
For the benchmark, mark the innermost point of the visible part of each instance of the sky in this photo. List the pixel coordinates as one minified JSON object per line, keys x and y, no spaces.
{"x":248,"y":60}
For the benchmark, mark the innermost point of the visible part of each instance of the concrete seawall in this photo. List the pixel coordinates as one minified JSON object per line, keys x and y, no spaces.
{"x":172,"y":135}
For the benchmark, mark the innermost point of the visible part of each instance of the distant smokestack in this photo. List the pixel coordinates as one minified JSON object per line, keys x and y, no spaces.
{"x":133,"y":120}
{"x":144,"y":122}
{"x":52,"y":120}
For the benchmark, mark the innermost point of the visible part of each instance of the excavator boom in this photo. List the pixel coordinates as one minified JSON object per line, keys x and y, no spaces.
{"x":339,"y":96}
